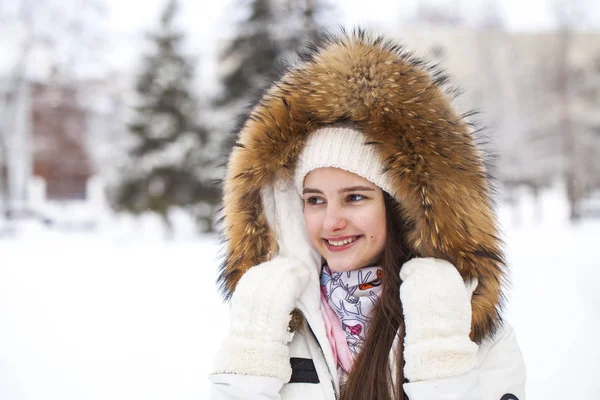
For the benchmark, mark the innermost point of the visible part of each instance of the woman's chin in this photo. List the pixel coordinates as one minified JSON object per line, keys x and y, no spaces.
{"x":340,"y":266}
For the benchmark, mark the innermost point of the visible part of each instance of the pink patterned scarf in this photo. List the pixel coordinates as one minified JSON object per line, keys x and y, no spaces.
{"x":348,"y":299}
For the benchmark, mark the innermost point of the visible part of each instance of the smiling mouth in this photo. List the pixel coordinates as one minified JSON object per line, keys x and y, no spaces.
{"x":339,"y":245}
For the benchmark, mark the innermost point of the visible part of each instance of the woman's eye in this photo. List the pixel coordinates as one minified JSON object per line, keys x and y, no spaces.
{"x":314,"y":201}
{"x":355,"y":197}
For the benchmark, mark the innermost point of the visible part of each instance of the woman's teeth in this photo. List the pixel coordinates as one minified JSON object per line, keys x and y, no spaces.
{"x":341,"y":242}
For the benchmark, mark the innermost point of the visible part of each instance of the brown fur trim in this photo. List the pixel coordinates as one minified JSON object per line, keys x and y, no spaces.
{"x":404,"y":109}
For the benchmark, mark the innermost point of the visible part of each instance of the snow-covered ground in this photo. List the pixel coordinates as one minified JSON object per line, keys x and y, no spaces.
{"x":554,"y":302}
{"x":120,"y":313}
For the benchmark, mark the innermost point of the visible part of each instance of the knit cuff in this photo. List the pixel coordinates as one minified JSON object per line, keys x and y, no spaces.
{"x":243,"y":356}
{"x":440,"y":358}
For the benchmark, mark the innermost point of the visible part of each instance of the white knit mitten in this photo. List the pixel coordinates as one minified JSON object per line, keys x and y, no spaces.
{"x":437,"y":316}
{"x":260,"y":314}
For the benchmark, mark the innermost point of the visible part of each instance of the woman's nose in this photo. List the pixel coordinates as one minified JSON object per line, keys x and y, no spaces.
{"x":334,"y":219}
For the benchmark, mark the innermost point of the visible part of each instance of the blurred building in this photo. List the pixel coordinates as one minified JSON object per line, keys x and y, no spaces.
{"x":54,"y":134}
{"x":58,"y":129}
{"x":539,"y":94}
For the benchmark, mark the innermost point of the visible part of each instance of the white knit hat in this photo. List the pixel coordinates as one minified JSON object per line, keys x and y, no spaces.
{"x":344,"y":148}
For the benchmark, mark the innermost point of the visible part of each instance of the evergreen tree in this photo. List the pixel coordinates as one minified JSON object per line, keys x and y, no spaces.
{"x":306,"y":24}
{"x":265,"y":40}
{"x":254,"y":55}
{"x":169,"y":157}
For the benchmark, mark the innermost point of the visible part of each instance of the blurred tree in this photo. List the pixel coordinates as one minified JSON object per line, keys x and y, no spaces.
{"x":267,"y":35}
{"x":491,"y":18}
{"x":251,"y":58}
{"x":585,"y":82}
{"x":306,"y":22}
{"x":446,"y":14}
{"x":170,"y":155}
{"x":571,"y":129}
{"x":547,"y":127}
{"x":526,"y":115}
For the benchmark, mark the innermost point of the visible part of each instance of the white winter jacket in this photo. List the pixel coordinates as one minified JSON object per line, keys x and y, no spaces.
{"x":500,"y":376}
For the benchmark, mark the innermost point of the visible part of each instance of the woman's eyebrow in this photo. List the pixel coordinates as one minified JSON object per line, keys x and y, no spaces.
{"x":343,"y":190}
{"x":356,"y":189}
{"x":310,"y":190}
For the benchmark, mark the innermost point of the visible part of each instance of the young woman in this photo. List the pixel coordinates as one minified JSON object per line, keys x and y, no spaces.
{"x":363,"y":258}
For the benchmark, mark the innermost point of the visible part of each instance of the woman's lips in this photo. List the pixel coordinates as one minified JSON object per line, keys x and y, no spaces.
{"x":342,"y":247}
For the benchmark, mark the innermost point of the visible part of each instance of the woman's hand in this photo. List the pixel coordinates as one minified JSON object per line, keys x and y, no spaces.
{"x":262,"y":303}
{"x":260,"y":314}
{"x":437,"y":315}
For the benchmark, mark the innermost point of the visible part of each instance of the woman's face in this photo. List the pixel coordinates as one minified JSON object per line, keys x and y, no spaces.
{"x":345,"y":218}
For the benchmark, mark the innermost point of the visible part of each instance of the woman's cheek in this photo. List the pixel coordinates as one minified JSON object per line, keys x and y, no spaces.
{"x":312,"y":226}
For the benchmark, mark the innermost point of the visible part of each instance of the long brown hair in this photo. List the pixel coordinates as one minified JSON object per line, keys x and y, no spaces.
{"x":371,"y":376}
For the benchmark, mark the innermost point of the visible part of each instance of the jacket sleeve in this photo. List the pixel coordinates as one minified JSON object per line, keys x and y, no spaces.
{"x":244,"y":387}
{"x":500,"y":376}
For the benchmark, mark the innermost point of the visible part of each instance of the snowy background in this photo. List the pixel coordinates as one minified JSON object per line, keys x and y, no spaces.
{"x":119,"y":313}
{"x":98,"y":305}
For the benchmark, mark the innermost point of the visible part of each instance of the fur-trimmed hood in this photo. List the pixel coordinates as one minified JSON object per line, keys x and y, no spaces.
{"x":403,"y":107}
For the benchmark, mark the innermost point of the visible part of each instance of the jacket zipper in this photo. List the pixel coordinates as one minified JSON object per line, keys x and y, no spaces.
{"x":335,"y":392}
